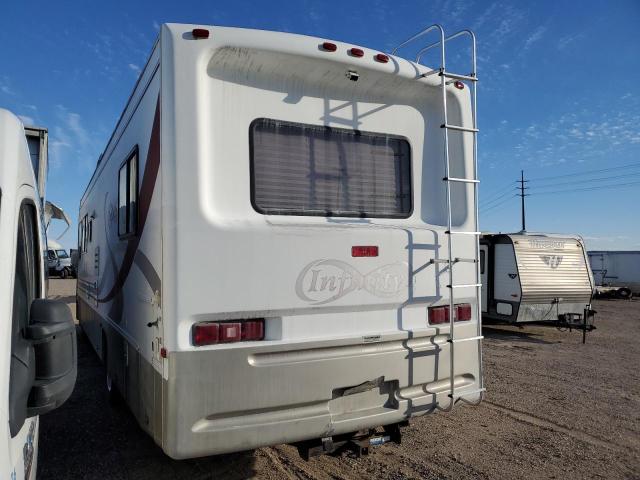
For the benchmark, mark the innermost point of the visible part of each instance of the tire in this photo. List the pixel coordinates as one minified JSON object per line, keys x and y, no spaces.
{"x":624,"y":293}
{"x":113,"y":396}
{"x":63,"y":273}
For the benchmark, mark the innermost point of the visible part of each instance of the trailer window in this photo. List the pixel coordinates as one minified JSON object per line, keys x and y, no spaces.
{"x":301,"y":169}
{"x":128,"y":196}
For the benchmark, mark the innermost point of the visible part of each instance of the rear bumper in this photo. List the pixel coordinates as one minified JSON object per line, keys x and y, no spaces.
{"x":225,"y":400}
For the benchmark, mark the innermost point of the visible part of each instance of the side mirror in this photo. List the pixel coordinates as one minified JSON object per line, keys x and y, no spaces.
{"x":52,"y":333}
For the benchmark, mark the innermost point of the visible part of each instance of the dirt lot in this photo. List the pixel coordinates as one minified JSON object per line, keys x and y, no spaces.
{"x":555,"y":409}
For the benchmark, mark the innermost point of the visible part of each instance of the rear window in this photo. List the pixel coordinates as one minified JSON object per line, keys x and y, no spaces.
{"x":299,"y":169}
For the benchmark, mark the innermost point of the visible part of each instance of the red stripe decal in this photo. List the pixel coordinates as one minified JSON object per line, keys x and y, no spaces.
{"x":149,"y":177}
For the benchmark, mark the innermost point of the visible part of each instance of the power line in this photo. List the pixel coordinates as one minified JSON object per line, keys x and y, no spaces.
{"x":488,"y":209}
{"x":490,"y":196}
{"x":587,"y":189}
{"x":489,"y":202}
{"x":588,"y":180}
{"x":588,"y":172}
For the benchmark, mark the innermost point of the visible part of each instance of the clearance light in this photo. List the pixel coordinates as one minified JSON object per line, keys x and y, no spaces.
{"x":211,"y":333}
{"x":356,"y":52}
{"x":381,"y":57}
{"x":458,"y":84}
{"x":364,"y":251}
{"x":200,"y":33}
{"x":440,"y":315}
{"x":329,"y":47}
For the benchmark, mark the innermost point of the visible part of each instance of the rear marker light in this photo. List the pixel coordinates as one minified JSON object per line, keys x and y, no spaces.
{"x":458,"y":84}
{"x":364,"y":251}
{"x":211,"y":333}
{"x":381,"y":57}
{"x":200,"y":33}
{"x":356,"y":52}
{"x":329,"y":47}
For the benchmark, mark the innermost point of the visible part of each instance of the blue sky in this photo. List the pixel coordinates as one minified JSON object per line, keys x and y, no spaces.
{"x":558,"y":91}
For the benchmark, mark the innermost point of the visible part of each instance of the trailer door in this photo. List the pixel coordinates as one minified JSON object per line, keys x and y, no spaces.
{"x":484,"y":275}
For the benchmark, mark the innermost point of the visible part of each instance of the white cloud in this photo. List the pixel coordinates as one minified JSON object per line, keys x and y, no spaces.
{"x":566,"y":41}
{"x":5,"y":86}
{"x":70,"y":139}
{"x":135,"y":68}
{"x":535,"y":36}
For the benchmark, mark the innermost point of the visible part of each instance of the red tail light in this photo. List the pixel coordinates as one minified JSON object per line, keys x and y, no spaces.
{"x":205,"y":333}
{"x":211,"y":333}
{"x":364,"y":251}
{"x":440,"y":315}
{"x":200,"y":33}
{"x":381,"y":57}
{"x":357,"y":52}
{"x":253,"y":330}
{"x":463,"y":312}
{"x":459,"y":85}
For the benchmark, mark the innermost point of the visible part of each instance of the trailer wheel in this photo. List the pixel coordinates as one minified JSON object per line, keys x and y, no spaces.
{"x":624,"y":293}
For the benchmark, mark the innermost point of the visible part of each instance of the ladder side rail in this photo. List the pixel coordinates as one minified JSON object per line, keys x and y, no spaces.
{"x":474,"y":118}
{"x":435,"y":26}
{"x":447,"y":173}
{"x":472,"y":37}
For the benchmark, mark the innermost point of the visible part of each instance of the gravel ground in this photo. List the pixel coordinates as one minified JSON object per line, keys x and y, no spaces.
{"x":554,"y":409}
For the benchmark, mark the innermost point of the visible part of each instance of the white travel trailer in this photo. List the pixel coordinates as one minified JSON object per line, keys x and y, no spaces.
{"x":534,"y":277}
{"x":266,"y":241}
{"x":37,"y":336}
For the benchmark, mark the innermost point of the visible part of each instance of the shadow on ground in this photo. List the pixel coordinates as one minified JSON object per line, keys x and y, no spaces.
{"x":89,"y":439}
{"x":514,"y":334}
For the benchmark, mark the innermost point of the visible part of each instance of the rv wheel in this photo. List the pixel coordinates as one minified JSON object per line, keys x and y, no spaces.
{"x":112,"y":392}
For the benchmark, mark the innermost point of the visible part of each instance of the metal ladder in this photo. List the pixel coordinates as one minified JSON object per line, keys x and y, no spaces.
{"x":447,"y":78}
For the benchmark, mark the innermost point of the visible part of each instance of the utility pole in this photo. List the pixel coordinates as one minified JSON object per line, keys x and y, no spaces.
{"x":522,"y":195}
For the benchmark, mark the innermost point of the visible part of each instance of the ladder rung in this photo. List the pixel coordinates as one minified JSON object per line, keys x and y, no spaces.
{"x":432,"y":72}
{"x":465,"y":394}
{"x":457,"y":76}
{"x":461,"y":129}
{"x":455,"y":260}
{"x":469,"y":339}
{"x":465,"y":285}
{"x":461,"y":232}
{"x":462,"y":180}
{"x":465,"y":260}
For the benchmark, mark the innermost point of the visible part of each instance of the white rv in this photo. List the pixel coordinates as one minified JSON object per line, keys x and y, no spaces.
{"x":38,"y":359}
{"x":58,"y":260}
{"x":537,"y":277}
{"x":266,"y":241}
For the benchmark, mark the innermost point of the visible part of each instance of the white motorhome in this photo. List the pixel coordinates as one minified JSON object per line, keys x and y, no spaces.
{"x":266,"y":242}
{"x":38,"y":359}
{"x":58,"y":260}
{"x":534,"y":277}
